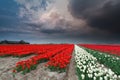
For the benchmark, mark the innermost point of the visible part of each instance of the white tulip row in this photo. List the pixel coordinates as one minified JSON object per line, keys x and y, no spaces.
{"x":90,"y":68}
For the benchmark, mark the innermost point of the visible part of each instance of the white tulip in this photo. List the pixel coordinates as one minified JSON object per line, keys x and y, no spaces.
{"x":90,"y":75}
{"x":101,"y":78}
{"x":94,"y":78}
{"x":83,"y":76}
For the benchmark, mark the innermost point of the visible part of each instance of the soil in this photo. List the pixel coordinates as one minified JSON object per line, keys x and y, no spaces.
{"x":41,"y":73}
{"x":71,"y":70}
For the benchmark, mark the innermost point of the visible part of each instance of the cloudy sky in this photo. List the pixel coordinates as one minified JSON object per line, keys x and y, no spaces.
{"x":60,"y":21}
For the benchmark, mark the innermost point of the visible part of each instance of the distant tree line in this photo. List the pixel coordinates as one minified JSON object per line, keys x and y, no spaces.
{"x":14,"y":42}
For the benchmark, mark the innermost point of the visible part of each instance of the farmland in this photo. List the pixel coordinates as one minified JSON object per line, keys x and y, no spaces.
{"x":110,"y":49}
{"x":59,"y":62}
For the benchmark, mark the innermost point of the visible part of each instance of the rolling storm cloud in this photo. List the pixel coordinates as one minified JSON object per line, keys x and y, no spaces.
{"x":60,"y":21}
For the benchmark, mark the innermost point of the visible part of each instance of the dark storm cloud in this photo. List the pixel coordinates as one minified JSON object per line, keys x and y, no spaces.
{"x":99,"y":14}
{"x":33,"y":25}
{"x":108,"y":19}
{"x":43,"y":28}
{"x":93,"y":21}
{"x":52,"y":31}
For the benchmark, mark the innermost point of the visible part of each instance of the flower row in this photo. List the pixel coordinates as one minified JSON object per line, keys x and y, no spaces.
{"x":110,"y":61}
{"x":88,"y":67}
{"x":110,"y":49}
{"x":59,"y":56}
{"x":22,"y":50}
{"x":61,"y":60}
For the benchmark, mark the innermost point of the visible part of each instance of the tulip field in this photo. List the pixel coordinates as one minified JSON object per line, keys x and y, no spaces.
{"x":110,"y":49}
{"x":58,"y":56}
{"x":94,"y":65}
{"x":92,"y":62}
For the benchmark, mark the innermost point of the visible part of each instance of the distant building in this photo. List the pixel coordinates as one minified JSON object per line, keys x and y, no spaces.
{"x":13,"y":42}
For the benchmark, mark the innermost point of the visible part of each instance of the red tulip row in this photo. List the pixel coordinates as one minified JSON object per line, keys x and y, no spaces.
{"x":61,"y":60}
{"x":57,"y":55}
{"x":61,"y":55}
{"x":34,"y":60}
{"x":112,"y":49}
{"x":21,"y":50}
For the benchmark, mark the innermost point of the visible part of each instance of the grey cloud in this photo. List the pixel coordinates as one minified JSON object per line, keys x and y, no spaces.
{"x":92,"y":20}
{"x":99,"y":14}
{"x":54,"y":31}
{"x":107,"y":19}
{"x":50,"y":21}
